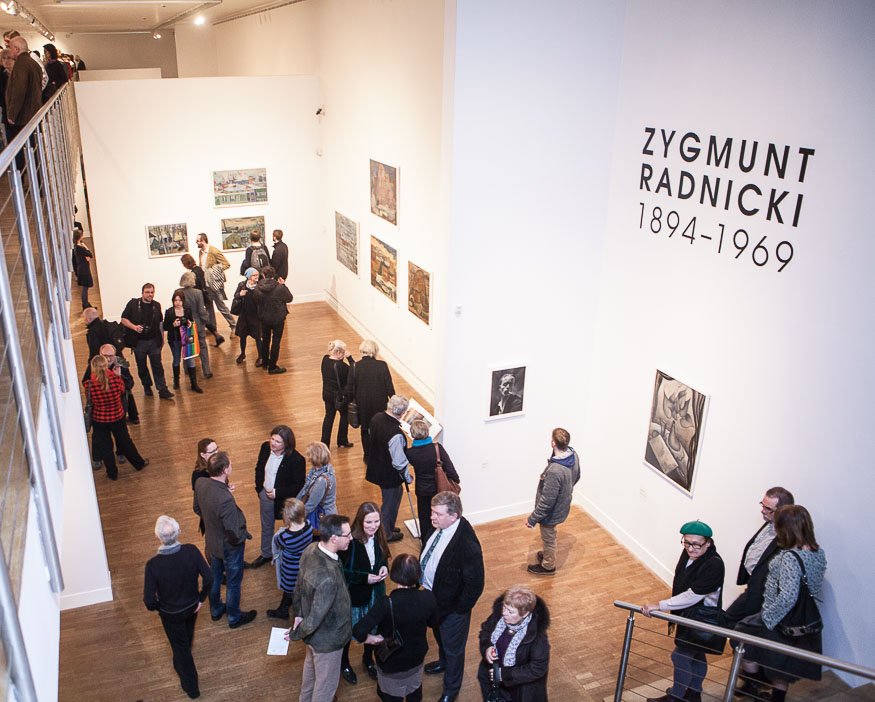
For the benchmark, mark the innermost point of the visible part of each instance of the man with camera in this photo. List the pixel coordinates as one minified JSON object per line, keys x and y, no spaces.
{"x":142,"y":319}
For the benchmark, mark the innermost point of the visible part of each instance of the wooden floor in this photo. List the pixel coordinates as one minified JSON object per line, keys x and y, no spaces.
{"x":118,"y":652}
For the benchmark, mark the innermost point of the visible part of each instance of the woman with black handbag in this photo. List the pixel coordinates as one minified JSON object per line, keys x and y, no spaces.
{"x":696,"y":592}
{"x":402,"y":620}
{"x":334,"y":378}
{"x":790,"y":614}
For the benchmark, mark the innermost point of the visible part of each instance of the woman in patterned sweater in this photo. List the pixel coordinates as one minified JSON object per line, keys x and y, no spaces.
{"x":288,"y":545}
{"x":794,"y":533}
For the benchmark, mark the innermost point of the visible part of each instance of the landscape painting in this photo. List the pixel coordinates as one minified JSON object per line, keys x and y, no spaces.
{"x":240,"y":187}
{"x":167,"y":240}
{"x":384,"y":191}
{"x":346,"y":233}
{"x":384,"y":268}
{"x":418,"y":291}
{"x":236,"y":231}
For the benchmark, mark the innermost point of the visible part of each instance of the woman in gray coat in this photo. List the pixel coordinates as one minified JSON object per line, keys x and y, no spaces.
{"x":194,"y":300}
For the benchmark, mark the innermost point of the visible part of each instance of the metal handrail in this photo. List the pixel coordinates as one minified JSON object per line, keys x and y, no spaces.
{"x":861,"y":670}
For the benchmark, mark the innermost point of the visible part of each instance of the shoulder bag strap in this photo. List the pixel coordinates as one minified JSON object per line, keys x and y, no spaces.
{"x":337,"y":377}
{"x":391,"y":614}
{"x":437,"y":453}
{"x":804,"y":579}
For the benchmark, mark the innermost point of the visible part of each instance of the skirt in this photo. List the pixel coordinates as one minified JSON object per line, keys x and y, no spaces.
{"x":400,"y":684}
{"x":777,"y":664}
{"x":358,"y":613}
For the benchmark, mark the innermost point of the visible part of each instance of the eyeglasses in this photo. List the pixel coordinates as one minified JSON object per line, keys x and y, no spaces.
{"x":695,"y":546}
{"x":345,"y":536}
{"x":768,"y":509}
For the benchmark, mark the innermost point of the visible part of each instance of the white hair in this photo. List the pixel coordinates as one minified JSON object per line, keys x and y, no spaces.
{"x":397,"y":405}
{"x":369,"y":348}
{"x":336,"y":345}
{"x":167,"y":530}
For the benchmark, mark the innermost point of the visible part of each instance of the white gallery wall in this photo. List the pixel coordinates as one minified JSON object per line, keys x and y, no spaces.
{"x":784,"y":357}
{"x":112,"y":51}
{"x":150,"y":148}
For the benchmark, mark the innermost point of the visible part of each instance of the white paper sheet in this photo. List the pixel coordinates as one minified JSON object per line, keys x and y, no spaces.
{"x":277,"y":646}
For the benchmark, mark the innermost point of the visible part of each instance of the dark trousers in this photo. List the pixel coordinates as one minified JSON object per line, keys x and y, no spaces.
{"x":328,"y":425}
{"x":258,"y":345}
{"x":423,"y":509}
{"x":179,"y":628}
{"x":364,"y":426}
{"x":104,"y":432}
{"x":414,"y":696}
{"x":389,"y":508}
{"x":451,"y":637}
{"x":149,"y":350}
{"x":271,"y":336}
{"x":133,"y":412}
{"x":231,"y":565}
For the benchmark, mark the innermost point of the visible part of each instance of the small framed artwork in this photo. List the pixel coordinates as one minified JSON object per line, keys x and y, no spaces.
{"x":167,"y":240}
{"x":674,"y":437}
{"x":507,"y":392}
{"x":240,"y":187}
{"x":417,"y":411}
{"x":237,"y":230}
{"x":384,"y":191}
{"x":384,"y":268}
{"x":346,"y":232}
{"x":418,"y":291}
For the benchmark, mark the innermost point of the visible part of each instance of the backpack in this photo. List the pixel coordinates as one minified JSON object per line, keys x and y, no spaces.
{"x":259,"y":258}
{"x":116,"y":333}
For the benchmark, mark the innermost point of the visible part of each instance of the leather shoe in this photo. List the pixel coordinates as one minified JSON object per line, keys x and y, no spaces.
{"x":396,"y":530}
{"x":217,"y":617}
{"x":258,"y":562}
{"x":345,"y":445}
{"x":245,"y":618}
{"x":241,"y":358}
{"x":447,"y":698}
{"x":277,"y":614}
{"x":540,"y":570}
{"x":145,"y":463}
{"x":349,"y":675}
{"x":371,"y":668}
{"x":435,"y":667}
{"x":277,"y":370}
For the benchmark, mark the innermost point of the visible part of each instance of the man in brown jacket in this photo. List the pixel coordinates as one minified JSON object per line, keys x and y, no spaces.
{"x":24,"y":90}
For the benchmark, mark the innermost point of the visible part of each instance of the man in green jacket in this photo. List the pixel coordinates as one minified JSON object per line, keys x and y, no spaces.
{"x":553,"y":499}
{"x":322,"y":605}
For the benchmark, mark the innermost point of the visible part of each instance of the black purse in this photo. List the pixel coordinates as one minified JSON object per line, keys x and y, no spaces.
{"x":710,"y":643}
{"x":352,"y":409}
{"x":804,"y":618}
{"x":89,"y":407}
{"x":341,"y":399}
{"x":389,"y":647}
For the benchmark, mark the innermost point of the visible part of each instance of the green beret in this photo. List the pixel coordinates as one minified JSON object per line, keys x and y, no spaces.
{"x":697,"y":528}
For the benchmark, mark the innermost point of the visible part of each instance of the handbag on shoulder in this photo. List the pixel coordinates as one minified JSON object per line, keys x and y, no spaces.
{"x":89,"y":406}
{"x":444,"y":483}
{"x":804,"y":618}
{"x":388,"y":647}
{"x":711,"y":643}
{"x":341,"y":399}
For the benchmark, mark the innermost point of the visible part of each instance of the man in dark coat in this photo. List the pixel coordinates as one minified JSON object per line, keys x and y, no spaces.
{"x":271,"y":297}
{"x":143,"y":319}
{"x":754,"y":567}
{"x":99,"y":332}
{"x":24,"y":91}
{"x":387,"y":462}
{"x":280,"y":258}
{"x":452,"y":568}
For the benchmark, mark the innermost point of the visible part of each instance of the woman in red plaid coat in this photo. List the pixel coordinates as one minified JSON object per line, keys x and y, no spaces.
{"x":106,"y":389}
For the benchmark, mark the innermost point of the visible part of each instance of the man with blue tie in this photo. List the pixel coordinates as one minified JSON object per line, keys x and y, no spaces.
{"x":452,"y":568}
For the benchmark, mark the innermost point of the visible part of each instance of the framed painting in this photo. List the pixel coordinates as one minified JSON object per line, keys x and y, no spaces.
{"x":418,"y":291}
{"x":240,"y":187}
{"x":167,"y":240}
{"x":236,"y":231}
{"x":417,"y":411}
{"x":674,"y":438}
{"x":507,"y":392}
{"x":384,"y":268}
{"x":384,"y":191}
{"x":346,"y":234}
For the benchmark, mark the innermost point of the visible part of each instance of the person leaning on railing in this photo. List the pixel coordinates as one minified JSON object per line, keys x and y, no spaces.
{"x":794,"y":533}
{"x":698,"y":578}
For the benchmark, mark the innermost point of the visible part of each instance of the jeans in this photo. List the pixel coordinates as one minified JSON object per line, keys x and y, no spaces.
{"x":328,"y":425}
{"x":179,"y":628}
{"x":451,"y":637}
{"x":231,"y":564}
{"x":389,"y":508}
{"x":271,"y":336}
{"x":149,"y":350}
{"x":690,"y":668}
{"x":176,"y":352}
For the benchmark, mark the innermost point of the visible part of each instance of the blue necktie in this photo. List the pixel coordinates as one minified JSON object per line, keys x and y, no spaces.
{"x":431,"y":549}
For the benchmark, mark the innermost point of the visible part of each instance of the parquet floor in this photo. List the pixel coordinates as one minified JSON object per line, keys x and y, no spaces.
{"x":117,"y":651}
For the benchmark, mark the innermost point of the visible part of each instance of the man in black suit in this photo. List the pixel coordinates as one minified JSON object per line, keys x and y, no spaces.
{"x":755,"y":559}
{"x":452,"y":568}
{"x":280,"y":258}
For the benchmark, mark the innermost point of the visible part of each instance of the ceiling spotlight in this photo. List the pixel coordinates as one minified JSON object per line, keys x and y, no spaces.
{"x":199,"y":20}
{"x":9,"y":7}
{"x":156,"y":35}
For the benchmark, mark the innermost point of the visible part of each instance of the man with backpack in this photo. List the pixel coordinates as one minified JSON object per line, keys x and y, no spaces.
{"x":256,"y":255}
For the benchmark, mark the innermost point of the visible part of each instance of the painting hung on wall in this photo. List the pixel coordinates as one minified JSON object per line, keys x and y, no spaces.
{"x":416,"y":411}
{"x":674,"y":439}
{"x":384,"y":268}
{"x":236,"y":232}
{"x":384,"y":191}
{"x":418,"y":291}
{"x":347,"y":234}
{"x":167,"y":240}
{"x":242,"y":187}
{"x":507,"y":392}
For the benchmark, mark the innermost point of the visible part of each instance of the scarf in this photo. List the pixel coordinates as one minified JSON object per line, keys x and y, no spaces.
{"x":167,"y":549}
{"x":518,"y":631}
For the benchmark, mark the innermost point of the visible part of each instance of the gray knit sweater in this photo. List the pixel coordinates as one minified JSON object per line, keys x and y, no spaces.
{"x":782,"y":585}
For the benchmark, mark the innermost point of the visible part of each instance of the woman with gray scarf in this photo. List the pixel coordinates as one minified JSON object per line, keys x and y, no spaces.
{"x":515,"y":648}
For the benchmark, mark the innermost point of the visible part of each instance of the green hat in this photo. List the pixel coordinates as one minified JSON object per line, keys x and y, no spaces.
{"x":697,"y":528}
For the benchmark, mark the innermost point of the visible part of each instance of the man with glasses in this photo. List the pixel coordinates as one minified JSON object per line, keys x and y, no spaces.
{"x":324,"y":616}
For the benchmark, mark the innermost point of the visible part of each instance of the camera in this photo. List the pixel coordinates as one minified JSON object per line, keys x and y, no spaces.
{"x":146,"y":329}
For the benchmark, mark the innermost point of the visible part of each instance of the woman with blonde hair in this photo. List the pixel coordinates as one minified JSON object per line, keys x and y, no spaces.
{"x":334,"y":381}
{"x":288,"y":545}
{"x":370,"y":383}
{"x":319,"y":493}
{"x":105,"y":388}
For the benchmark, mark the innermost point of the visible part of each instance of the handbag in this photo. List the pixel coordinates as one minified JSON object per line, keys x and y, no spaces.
{"x":804,"y":618}
{"x":89,"y":407}
{"x":711,"y":643}
{"x":314,"y":516}
{"x":352,"y":408}
{"x":494,"y":694}
{"x":444,"y":483}
{"x":388,"y":647}
{"x":341,"y":399}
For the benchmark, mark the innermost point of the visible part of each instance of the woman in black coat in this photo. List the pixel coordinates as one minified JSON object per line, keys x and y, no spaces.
{"x":175,"y":318}
{"x":371,"y":385}
{"x":279,"y":475}
{"x":423,"y":455}
{"x":248,"y":323}
{"x":412,"y":612}
{"x":334,"y":377}
{"x":515,"y":636}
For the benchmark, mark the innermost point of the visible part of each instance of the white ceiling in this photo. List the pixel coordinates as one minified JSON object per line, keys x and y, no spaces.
{"x":107,"y":16}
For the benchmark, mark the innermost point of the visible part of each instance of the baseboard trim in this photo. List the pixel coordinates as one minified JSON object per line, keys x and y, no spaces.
{"x":83,"y":599}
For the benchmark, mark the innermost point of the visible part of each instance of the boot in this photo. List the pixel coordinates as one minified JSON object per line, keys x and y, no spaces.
{"x":192,"y":376}
{"x":176,"y":377}
{"x":753,"y":685}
